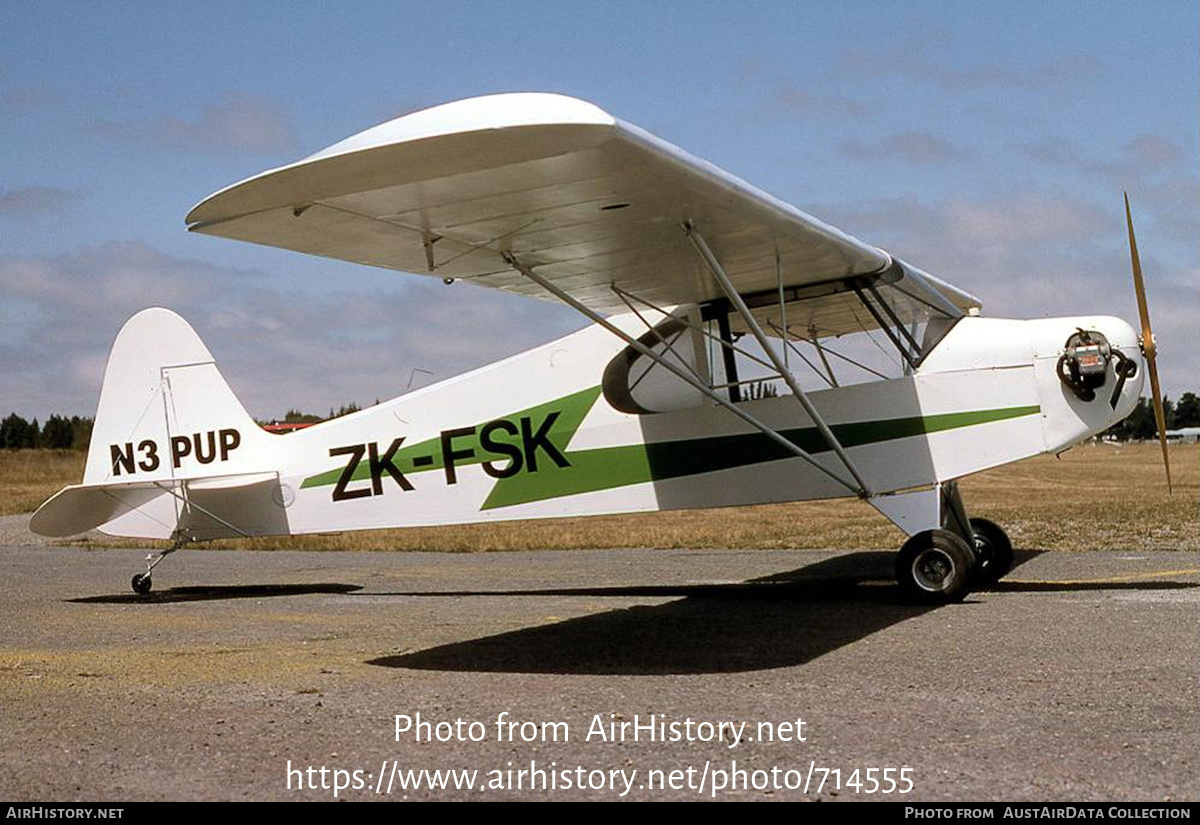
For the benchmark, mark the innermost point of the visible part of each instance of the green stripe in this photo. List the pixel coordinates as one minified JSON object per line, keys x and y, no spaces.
{"x":606,"y":468}
{"x":609,"y":467}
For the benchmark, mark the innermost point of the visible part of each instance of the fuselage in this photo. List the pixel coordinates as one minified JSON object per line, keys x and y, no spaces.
{"x":535,"y":436}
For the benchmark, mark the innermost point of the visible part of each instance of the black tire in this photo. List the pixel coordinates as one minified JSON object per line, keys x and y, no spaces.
{"x":993,"y":552}
{"x":141,"y":584}
{"x":935,"y":567}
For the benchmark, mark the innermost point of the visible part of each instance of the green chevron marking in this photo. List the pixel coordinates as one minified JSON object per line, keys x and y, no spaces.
{"x":609,"y":467}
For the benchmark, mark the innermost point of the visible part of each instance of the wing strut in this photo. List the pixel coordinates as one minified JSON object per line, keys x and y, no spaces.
{"x":828,"y":377}
{"x":820,"y":351}
{"x":718,"y":272}
{"x":678,"y":372}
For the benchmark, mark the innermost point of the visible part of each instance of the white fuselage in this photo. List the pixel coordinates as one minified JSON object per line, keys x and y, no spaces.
{"x":533,"y":436}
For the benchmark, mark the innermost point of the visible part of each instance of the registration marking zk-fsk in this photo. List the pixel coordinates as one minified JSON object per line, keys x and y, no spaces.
{"x":507,"y":457}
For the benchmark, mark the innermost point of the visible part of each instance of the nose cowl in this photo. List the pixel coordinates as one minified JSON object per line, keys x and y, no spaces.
{"x":1090,"y":372}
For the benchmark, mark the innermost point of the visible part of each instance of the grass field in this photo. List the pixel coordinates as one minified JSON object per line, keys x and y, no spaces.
{"x":1095,"y":497}
{"x":29,"y":477}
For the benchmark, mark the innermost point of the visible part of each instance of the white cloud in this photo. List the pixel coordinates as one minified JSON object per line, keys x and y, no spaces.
{"x":794,"y":99}
{"x":1154,"y":150}
{"x":1030,"y":255}
{"x":1024,"y":254}
{"x":1157,"y":173}
{"x":239,"y":122}
{"x":278,"y":350}
{"x":909,"y":147}
{"x":28,"y":202}
{"x":1028,"y":218}
{"x":30,"y":98}
{"x":934,"y":58}
{"x":1140,"y":155}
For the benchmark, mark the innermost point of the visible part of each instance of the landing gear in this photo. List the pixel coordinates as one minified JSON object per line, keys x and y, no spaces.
{"x":993,"y":552}
{"x":141,"y":582}
{"x":989,"y":545}
{"x":935,"y":567}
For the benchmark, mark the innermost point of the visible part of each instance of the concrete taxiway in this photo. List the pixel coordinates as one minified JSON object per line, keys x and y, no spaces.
{"x":1075,"y":680}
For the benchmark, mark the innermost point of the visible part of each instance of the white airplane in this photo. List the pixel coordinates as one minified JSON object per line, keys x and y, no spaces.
{"x":674,"y":261}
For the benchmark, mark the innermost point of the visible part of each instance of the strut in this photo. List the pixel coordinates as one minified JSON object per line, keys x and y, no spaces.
{"x":718,"y":273}
{"x":681,"y":374}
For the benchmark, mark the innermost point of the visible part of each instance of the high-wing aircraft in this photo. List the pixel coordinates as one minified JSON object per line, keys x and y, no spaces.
{"x":688,"y":274}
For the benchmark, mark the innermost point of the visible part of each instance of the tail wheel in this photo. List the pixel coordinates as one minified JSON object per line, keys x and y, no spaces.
{"x":993,"y":552}
{"x":935,"y":567}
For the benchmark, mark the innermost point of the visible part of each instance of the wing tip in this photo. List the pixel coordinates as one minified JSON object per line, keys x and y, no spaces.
{"x":474,"y":114}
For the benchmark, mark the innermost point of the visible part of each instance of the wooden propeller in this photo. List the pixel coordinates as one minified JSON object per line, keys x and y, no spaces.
{"x":1148,"y":348}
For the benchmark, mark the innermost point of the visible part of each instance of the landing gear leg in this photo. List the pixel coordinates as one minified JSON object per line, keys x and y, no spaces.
{"x":992,"y":549}
{"x":141,"y":582}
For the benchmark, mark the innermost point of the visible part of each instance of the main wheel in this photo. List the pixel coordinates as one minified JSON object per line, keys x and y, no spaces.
{"x":935,"y":567}
{"x":141,"y":584}
{"x":993,"y":552}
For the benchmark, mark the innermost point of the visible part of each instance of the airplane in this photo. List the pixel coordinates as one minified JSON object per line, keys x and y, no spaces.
{"x":691,"y":278}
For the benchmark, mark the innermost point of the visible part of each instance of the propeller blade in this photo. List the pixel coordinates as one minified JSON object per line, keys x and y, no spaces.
{"x":1148,"y":347}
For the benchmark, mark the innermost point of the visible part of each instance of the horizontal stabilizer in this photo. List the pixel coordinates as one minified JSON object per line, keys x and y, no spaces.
{"x":82,"y":507}
{"x":231,"y":506}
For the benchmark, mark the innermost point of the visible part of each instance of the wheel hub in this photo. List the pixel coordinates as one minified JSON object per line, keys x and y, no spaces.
{"x":932,"y":568}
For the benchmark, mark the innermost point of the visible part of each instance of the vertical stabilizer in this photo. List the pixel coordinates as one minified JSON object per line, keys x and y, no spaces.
{"x":165,"y":411}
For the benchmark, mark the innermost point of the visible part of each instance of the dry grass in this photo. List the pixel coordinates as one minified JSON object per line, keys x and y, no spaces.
{"x":1097,"y":497}
{"x":29,"y":477}
{"x":1094,"y":497}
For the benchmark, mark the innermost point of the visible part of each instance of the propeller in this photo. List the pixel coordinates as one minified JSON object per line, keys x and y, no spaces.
{"x":1148,"y":348}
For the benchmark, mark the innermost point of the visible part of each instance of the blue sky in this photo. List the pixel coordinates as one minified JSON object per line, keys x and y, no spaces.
{"x":986,"y":144}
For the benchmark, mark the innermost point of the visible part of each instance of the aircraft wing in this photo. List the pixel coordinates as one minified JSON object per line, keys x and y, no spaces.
{"x":589,"y":201}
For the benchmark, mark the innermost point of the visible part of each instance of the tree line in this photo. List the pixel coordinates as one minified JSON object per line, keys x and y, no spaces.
{"x":297,"y":417}
{"x":1140,"y":425}
{"x":75,"y":433}
{"x":58,"y":433}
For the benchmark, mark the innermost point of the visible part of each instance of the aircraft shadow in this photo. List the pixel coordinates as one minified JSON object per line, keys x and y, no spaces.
{"x":782,"y":620}
{"x":776,"y":621}
{"x":206,"y":593}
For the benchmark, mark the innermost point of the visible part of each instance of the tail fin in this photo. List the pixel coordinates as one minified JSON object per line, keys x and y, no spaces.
{"x":173,"y":453}
{"x":165,"y":410}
